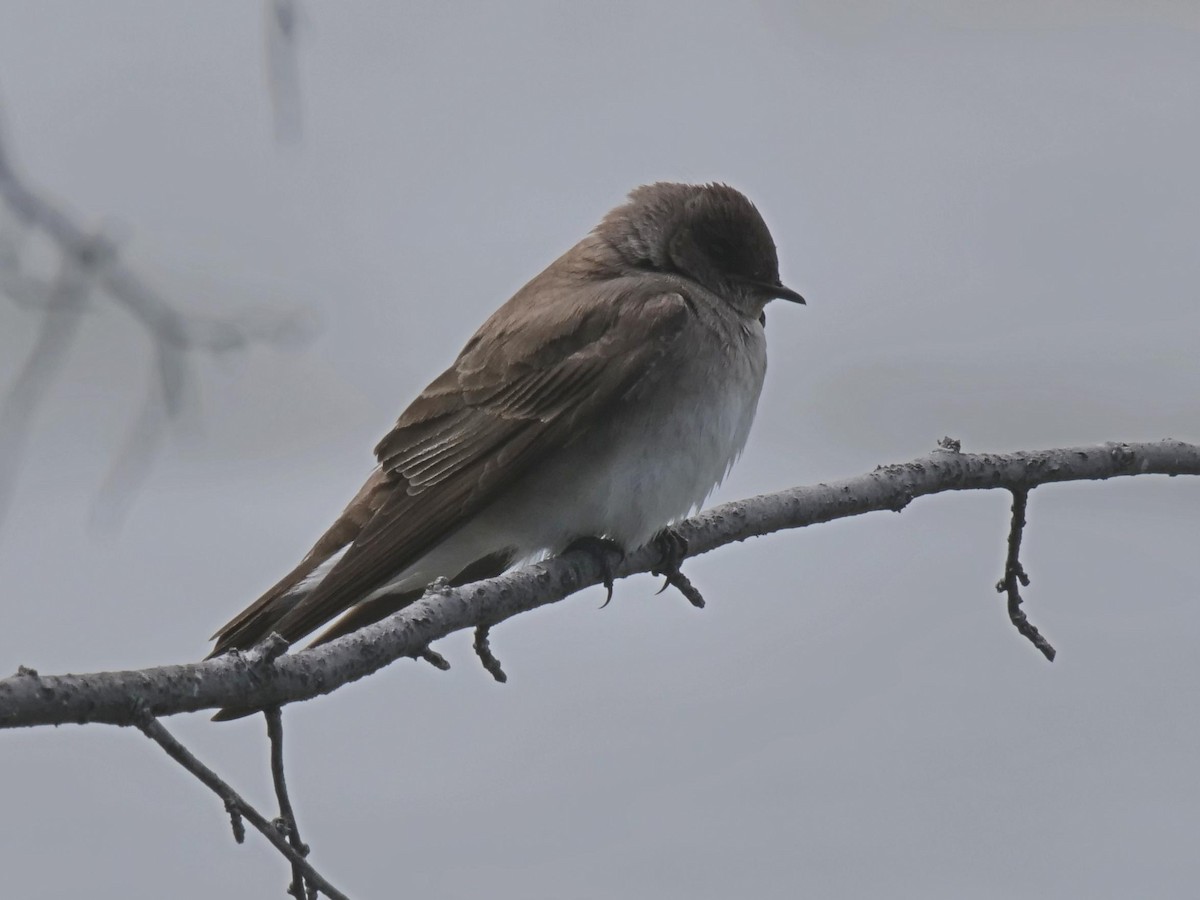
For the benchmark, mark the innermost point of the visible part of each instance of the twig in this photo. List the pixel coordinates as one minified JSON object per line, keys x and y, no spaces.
{"x":484,"y":651}
{"x":1015,"y":578}
{"x":237,"y":807}
{"x":62,"y":315}
{"x":674,"y":549}
{"x":283,"y":71}
{"x":300,"y":888}
{"x":435,"y":659}
{"x":233,"y":681}
{"x":683,"y":584}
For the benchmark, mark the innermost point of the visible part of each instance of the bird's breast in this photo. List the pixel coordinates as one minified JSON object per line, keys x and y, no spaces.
{"x":663,"y":449}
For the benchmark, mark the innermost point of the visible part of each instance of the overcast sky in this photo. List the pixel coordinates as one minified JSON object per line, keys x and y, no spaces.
{"x":994,"y":212}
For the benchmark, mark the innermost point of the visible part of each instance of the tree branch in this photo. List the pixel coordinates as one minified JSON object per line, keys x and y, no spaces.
{"x":1015,"y":577}
{"x":301,"y":887}
{"x":483,"y":650}
{"x":283,"y":70}
{"x":255,"y":679}
{"x":235,"y":805}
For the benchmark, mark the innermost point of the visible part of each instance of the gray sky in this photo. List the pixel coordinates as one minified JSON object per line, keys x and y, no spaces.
{"x":993,"y":214}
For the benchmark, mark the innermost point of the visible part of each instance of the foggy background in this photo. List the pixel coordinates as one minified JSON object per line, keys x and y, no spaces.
{"x":994,"y":212}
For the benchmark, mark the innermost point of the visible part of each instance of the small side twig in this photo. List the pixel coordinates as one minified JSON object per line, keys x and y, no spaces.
{"x":484,"y":651}
{"x":683,"y":584}
{"x":237,"y":807}
{"x":674,"y":549}
{"x":435,"y":659}
{"x":1015,"y":577}
{"x":301,"y":888}
{"x":283,"y":70}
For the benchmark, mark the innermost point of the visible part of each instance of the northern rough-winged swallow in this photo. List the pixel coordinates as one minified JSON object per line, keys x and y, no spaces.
{"x":605,"y":400}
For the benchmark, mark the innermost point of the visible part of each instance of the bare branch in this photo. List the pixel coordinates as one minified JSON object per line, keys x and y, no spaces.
{"x":283,"y":69}
{"x":484,"y":651}
{"x":1015,"y":577}
{"x":237,"y":807}
{"x":300,"y":887}
{"x":435,"y":659}
{"x":254,"y":680}
{"x":62,"y":315}
{"x":673,"y":548}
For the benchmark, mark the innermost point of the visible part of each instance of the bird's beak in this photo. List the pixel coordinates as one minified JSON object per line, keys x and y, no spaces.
{"x":777,"y":291}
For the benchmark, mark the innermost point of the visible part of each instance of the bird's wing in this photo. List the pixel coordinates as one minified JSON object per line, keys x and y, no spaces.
{"x":249,"y":626}
{"x":520,"y":390}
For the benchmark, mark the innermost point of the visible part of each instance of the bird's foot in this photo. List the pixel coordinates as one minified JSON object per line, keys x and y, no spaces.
{"x":674,"y":547}
{"x":602,"y":551}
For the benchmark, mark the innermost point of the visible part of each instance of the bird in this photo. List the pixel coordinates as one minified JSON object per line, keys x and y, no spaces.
{"x":603,"y":402}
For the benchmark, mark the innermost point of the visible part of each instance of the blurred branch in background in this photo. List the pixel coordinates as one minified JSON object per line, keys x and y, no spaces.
{"x":283,"y":70}
{"x":89,"y":268}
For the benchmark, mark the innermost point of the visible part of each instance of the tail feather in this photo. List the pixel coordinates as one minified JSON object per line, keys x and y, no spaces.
{"x":254,"y":628}
{"x":256,"y":621}
{"x":363,"y":614}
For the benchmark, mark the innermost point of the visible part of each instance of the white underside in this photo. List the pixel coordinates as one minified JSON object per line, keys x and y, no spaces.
{"x":652,"y":466}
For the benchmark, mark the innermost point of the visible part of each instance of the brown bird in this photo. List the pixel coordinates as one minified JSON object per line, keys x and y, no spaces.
{"x":605,"y":400}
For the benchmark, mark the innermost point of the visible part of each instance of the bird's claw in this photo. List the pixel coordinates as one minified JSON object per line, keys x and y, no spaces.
{"x":674,"y":548}
{"x":601,"y":550}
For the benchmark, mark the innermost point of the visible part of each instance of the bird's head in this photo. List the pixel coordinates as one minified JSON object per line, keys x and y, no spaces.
{"x":708,"y":233}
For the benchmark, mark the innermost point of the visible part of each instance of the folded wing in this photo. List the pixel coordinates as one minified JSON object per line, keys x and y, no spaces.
{"x":520,"y":390}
